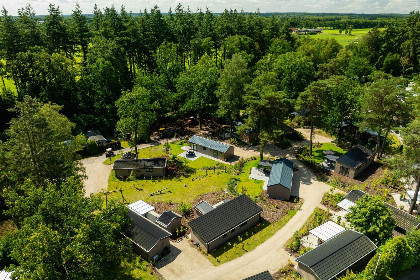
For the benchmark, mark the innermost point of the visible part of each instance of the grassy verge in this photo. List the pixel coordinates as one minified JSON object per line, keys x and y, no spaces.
{"x":318,"y":152}
{"x":248,"y":240}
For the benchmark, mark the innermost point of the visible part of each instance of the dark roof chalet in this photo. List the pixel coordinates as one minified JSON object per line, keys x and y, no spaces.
{"x":265,"y":275}
{"x":203,"y":207}
{"x":403,"y":219}
{"x":337,"y":254}
{"x":281,"y":173}
{"x":355,"y":157}
{"x":214,"y":145}
{"x":224,"y":218}
{"x":167,"y":217}
{"x":145,"y":233}
{"x":140,"y":163}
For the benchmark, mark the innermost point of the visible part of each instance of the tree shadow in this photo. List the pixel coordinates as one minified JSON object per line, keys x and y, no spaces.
{"x":169,"y":258}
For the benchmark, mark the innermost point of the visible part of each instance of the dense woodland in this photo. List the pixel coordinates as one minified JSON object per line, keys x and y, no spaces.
{"x":123,"y":73}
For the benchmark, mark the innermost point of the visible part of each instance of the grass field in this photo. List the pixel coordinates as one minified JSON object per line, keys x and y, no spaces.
{"x":250,"y":186}
{"x":343,"y":39}
{"x":318,"y":153}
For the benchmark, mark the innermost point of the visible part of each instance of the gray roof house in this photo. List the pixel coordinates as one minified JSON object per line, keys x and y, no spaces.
{"x":280,"y":180}
{"x":149,"y":240}
{"x":347,"y":250}
{"x":211,"y":148}
{"x":265,"y":275}
{"x":224,"y":222}
{"x":95,"y":135}
{"x":169,"y":220}
{"x":142,"y":167}
{"x":352,"y":163}
{"x":404,"y":221}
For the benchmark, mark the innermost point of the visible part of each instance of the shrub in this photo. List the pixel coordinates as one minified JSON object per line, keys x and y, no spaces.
{"x":413,"y":239}
{"x":393,"y":257}
{"x":6,"y":246}
{"x":184,"y":208}
{"x":91,"y":148}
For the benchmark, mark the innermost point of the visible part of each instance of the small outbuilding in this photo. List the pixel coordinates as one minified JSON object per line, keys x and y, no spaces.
{"x":96,"y":136}
{"x":224,"y":222}
{"x":203,"y":207}
{"x":149,"y":240}
{"x":169,"y":220}
{"x":211,"y":148}
{"x":280,"y":180}
{"x":265,"y":275}
{"x":347,"y":250}
{"x":352,"y":163}
{"x":144,"y":167}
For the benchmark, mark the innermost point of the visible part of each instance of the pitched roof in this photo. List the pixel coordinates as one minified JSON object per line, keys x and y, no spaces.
{"x":327,"y":230}
{"x":144,"y":233}
{"x":281,"y":173}
{"x":167,"y":217}
{"x":265,"y":275}
{"x":140,"y":207}
{"x":140,"y":163}
{"x":355,"y":157}
{"x":96,"y":138}
{"x":224,"y":218}
{"x":203,"y":207}
{"x":402,"y":219}
{"x":337,"y":254}
{"x":209,"y":143}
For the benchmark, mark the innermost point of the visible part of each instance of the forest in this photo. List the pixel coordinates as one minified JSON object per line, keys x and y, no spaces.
{"x":124,"y":73}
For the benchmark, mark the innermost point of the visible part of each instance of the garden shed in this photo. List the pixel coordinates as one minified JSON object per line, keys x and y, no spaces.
{"x":347,"y":250}
{"x":149,"y":240}
{"x":143,"y":167}
{"x":211,"y":148}
{"x":352,"y":163}
{"x":224,"y":222}
{"x":280,"y":180}
{"x":169,"y":220}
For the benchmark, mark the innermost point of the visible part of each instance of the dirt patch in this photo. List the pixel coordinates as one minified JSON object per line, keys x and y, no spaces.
{"x":7,"y":226}
{"x":316,"y":138}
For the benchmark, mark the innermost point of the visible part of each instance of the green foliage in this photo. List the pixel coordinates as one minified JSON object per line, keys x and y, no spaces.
{"x":393,"y":257}
{"x":36,"y":147}
{"x":91,"y":147}
{"x":331,"y":199}
{"x":184,"y":208}
{"x":294,"y":243}
{"x":413,"y":239}
{"x":6,"y":247}
{"x":371,"y":217}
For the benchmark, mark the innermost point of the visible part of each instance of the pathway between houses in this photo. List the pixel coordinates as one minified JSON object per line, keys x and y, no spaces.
{"x":188,"y":263}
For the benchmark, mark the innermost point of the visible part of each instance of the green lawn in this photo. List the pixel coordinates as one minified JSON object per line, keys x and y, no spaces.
{"x":343,"y":39}
{"x":253,"y":237}
{"x":135,"y":268}
{"x":252,"y":187}
{"x":318,"y":154}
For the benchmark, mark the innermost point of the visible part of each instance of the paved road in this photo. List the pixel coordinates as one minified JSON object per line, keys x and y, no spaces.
{"x":188,"y":263}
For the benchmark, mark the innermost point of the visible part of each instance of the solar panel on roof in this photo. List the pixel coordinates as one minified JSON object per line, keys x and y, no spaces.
{"x":140,"y":207}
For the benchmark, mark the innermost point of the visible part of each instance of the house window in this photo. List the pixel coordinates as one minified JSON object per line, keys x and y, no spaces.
{"x":232,"y":231}
{"x":149,"y":170}
{"x":204,"y":148}
{"x":193,"y":146}
{"x":224,"y":235}
{"x":243,"y":224}
{"x":344,"y":171}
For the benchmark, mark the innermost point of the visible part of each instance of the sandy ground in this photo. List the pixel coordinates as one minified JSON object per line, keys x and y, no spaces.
{"x":316,"y":137}
{"x":188,"y":263}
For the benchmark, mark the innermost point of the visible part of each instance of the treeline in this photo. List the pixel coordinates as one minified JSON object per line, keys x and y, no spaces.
{"x":181,"y":59}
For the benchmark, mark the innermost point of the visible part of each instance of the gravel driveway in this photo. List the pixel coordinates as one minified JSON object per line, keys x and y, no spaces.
{"x":269,"y":256}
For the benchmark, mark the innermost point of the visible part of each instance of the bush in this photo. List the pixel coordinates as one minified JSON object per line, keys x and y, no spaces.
{"x":413,"y":239}
{"x":393,"y":257}
{"x":6,"y":246}
{"x":91,"y":148}
{"x":184,"y":208}
{"x":231,"y":185}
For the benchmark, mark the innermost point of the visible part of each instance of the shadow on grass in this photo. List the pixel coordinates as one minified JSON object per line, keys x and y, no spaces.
{"x":234,"y":242}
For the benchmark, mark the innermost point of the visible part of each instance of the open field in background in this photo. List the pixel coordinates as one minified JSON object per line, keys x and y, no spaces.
{"x":343,"y":39}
